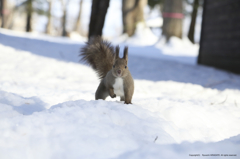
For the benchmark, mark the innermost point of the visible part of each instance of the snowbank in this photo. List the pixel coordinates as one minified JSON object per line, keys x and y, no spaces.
{"x":47,"y":106}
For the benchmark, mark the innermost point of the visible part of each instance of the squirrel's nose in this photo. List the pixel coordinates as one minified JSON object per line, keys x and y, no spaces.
{"x":119,"y":71}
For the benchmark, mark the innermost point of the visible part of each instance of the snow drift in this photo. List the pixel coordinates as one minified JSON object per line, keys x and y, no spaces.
{"x":47,"y":106}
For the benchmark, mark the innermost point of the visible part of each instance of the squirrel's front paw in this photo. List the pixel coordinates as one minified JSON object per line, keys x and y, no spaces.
{"x":113,"y":96}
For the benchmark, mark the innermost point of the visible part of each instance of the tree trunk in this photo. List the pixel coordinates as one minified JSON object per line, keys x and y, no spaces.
{"x":64,"y":18}
{"x":28,"y":25}
{"x":132,"y":13}
{"x":64,"y":32}
{"x":29,"y":16}
{"x":48,"y":27}
{"x":98,"y":13}
{"x":2,"y":9}
{"x":9,"y":21}
{"x":172,"y":18}
{"x":78,"y":23}
{"x":193,"y":21}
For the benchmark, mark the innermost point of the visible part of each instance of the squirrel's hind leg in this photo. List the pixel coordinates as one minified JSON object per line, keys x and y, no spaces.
{"x":122,"y":99}
{"x":101,"y":92}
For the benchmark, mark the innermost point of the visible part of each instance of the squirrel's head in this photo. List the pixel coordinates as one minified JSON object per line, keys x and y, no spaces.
{"x":120,"y":68}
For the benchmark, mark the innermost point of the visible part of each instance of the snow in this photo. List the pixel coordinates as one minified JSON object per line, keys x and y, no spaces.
{"x":155,"y":22}
{"x":142,"y":37}
{"x":47,"y":106}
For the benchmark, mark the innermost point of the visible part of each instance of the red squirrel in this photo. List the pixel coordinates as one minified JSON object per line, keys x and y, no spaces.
{"x":116,"y":79}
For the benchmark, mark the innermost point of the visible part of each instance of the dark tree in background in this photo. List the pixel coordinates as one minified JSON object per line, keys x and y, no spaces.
{"x":64,"y":17}
{"x":2,"y":4}
{"x":27,"y":8}
{"x":29,"y":15}
{"x":220,"y":35}
{"x":172,"y":18}
{"x":193,"y":21}
{"x":132,"y":13}
{"x":98,"y":13}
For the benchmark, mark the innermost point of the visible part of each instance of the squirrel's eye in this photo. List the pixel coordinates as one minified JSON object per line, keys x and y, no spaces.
{"x":125,"y":66}
{"x":113,"y":66}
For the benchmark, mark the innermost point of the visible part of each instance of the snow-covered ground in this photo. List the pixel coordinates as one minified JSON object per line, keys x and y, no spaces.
{"x":47,"y":107}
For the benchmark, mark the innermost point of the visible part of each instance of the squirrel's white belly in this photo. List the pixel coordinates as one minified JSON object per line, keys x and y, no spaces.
{"x":118,"y":87}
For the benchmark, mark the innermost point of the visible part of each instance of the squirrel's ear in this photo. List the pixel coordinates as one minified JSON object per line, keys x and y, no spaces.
{"x":117,"y":52}
{"x":125,"y":56}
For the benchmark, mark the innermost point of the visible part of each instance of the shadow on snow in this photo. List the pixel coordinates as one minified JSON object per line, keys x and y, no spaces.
{"x":147,"y":68}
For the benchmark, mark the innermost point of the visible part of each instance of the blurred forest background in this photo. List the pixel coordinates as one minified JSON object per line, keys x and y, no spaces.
{"x":86,"y":18}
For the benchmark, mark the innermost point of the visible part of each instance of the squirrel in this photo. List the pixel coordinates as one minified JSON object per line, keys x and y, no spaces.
{"x":116,"y":79}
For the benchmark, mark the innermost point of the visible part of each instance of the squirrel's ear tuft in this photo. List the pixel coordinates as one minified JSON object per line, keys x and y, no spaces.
{"x":125,"y":56}
{"x":117,"y":52}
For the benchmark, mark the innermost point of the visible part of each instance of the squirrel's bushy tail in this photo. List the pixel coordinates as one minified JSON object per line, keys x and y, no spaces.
{"x":99,"y":54}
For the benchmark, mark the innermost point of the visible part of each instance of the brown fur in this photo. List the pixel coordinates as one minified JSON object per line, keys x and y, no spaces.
{"x":100,"y":55}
